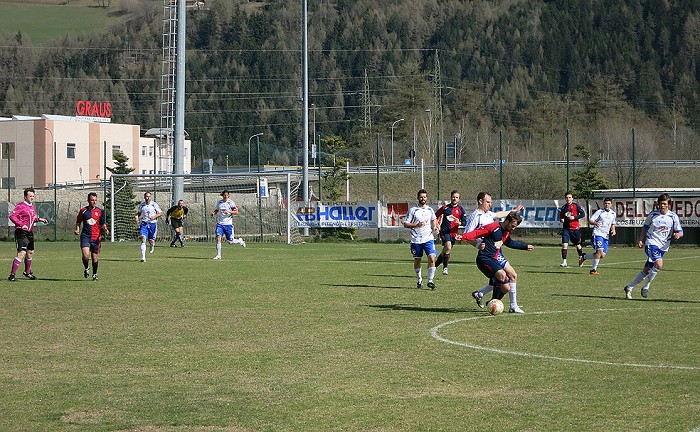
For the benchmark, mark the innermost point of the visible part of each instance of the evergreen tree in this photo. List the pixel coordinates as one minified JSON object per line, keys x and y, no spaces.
{"x":588,"y":178}
{"x":124,"y":199}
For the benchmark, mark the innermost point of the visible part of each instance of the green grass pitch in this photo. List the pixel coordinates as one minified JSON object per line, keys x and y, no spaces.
{"x":318,"y":337}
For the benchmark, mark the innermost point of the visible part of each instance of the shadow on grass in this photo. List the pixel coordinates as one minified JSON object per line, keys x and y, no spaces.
{"x":414,"y":308}
{"x":157,"y":257}
{"x":622,"y":298}
{"x":372,"y":286}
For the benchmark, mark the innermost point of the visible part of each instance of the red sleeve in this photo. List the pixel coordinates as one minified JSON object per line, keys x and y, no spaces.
{"x":80,"y":216}
{"x":480,"y":232}
{"x":440,"y":211}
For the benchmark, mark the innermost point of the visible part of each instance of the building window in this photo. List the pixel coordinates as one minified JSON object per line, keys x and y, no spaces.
{"x":8,"y":150}
{"x":143,"y":150}
{"x":70,"y":150}
{"x":150,"y":151}
{"x":144,"y":171}
{"x":116,"y":149}
{"x":8,"y":182}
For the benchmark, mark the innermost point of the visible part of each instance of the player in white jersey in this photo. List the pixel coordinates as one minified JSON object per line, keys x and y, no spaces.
{"x":480,"y":217}
{"x":422,"y":221}
{"x":661,"y":225}
{"x":147,"y":215}
{"x":224,"y":212}
{"x":603,"y":221}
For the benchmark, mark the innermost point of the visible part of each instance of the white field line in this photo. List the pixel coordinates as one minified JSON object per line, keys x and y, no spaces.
{"x":434,"y":332}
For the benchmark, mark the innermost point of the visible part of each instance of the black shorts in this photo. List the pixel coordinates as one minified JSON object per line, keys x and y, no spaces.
{"x":24,"y":240}
{"x":176,"y":223}
{"x":571,"y":235}
{"x":448,"y":236}
{"x":87,"y":242}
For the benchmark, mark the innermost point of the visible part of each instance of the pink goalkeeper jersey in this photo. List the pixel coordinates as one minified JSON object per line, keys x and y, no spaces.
{"x":24,"y":215}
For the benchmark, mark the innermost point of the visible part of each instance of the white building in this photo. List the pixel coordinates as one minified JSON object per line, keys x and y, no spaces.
{"x":27,"y":147}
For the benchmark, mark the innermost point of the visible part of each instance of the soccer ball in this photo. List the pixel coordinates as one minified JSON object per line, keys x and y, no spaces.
{"x":494,"y":306}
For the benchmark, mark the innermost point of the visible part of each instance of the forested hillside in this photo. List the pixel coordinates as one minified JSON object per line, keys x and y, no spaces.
{"x":475,"y":72}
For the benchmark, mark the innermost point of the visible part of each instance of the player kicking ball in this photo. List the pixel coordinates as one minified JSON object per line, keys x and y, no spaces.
{"x":491,"y":261}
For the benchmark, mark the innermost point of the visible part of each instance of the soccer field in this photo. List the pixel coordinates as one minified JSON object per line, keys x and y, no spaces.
{"x":318,"y":337}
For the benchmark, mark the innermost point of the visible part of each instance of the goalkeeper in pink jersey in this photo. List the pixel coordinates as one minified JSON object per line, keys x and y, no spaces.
{"x":25,"y":218}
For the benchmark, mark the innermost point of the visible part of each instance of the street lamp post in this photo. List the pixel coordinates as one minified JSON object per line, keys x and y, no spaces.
{"x":249,"y":139}
{"x":313,"y":112}
{"x":392,"y":140}
{"x":257,"y":142}
{"x":55,"y":194}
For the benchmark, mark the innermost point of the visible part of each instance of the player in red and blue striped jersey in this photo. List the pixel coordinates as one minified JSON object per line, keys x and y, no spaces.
{"x":490,"y":259}
{"x":94,"y":227}
{"x":451,"y":216}
{"x":569,"y":215}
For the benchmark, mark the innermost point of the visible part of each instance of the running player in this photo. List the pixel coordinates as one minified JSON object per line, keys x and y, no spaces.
{"x":147,"y":214}
{"x":94,"y":227}
{"x":603,"y":221}
{"x":661,"y":225}
{"x":490,"y":259}
{"x":174,"y":216}
{"x":422,"y":221}
{"x":569,"y":214}
{"x":25,"y":218}
{"x":450,"y":216}
{"x":225,"y":210}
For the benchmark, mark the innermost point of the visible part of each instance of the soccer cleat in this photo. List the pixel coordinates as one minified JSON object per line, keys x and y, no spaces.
{"x":444,"y":271}
{"x":182,"y":244}
{"x":431,"y":285}
{"x":242,"y":242}
{"x":517,"y":310}
{"x":628,"y":293}
{"x":151,"y":250}
{"x":419,"y":285}
{"x":218,"y":257}
{"x":478,"y":297}
{"x":29,"y":275}
{"x":86,"y":273}
{"x":95,"y":278}
{"x":563,"y":264}
{"x":12,"y":278}
{"x":645,"y":292}
{"x":172,"y":245}
{"x":594,"y":272}
{"x":143,"y":259}
{"x":581,"y":259}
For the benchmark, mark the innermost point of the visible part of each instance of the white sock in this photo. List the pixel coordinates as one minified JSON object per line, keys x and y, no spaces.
{"x":431,"y":274}
{"x":419,"y":274}
{"x":595,"y":264}
{"x":143,"y":250}
{"x":513,"y":296}
{"x":636,"y":280}
{"x":652,"y":274}
{"x":485,"y":290}
{"x":218,"y":249}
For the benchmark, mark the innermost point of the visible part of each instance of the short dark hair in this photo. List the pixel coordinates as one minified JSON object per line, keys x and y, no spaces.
{"x":663,"y":197}
{"x":91,"y":194}
{"x":27,"y":190}
{"x":454,"y":192}
{"x":607,"y":199}
{"x":421,"y":191}
{"x":147,"y":193}
{"x":568,"y":193}
{"x":225,"y":191}
{"x":482,"y":195}
{"x":514,"y":216}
